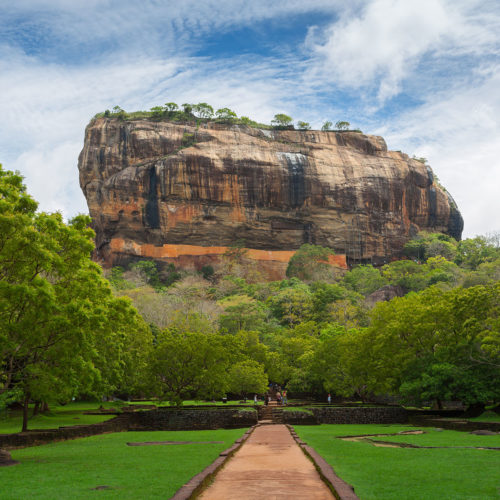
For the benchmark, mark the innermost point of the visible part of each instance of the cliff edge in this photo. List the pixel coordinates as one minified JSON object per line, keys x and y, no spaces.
{"x":181,"y":193}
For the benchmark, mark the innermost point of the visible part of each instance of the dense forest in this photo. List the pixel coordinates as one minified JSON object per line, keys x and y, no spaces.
{"x":68,"y":330}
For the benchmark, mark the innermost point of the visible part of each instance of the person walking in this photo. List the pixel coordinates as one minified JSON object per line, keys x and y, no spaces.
{"x":284,"y":398}
{"x":329,"y":398}
{"x":278,"y":397}
{"x":255,"y":399}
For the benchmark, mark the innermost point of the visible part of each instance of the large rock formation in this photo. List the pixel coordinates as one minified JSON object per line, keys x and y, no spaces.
{"x":181,"y":193}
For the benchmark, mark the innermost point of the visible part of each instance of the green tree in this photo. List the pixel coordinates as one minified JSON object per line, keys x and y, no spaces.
{"x":281,"y":121}
{"x":426,"y":245}
{"x":434,"y":342}
{"x":225,"y":114}
{"x":342,"y":125}
{"x":190,"y":365}
{"x":241,"y":312}
{"x":247,"y":377}
{"x":303,"y":125}
{"x":171,"y":107}
{"x":364,"y":279}
{"x":157,"y":112}
{"x":327,"y":126}
{"x":310,"y":262}
{"x":203,"y":110}
{"x":291,"y":305}
{"x":473,"y":252}
{"x":55,"y":306}
{"x":187,"y":108}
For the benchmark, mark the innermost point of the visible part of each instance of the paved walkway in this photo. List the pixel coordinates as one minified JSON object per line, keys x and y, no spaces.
{"x":269,"y":465}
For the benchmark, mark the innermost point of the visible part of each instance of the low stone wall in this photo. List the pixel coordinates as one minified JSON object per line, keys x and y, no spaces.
{"x":36,"y":437}
{"x":360,"y":415}
{"x":172,"y":419}
{"x":291,"y":417}
{"x":164,"y":419}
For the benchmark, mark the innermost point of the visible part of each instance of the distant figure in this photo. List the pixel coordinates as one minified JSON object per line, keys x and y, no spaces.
{"x":278,"y":397}
{"x":266,"y":399}
{"x":329,"y":398}
{"x":285,"y":399}
{"x":255,"y":399}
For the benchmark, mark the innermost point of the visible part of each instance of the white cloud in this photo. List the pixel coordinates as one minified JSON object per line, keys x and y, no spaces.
{"x":46,"y":107}
{"x":458,"y":131}
{"x":382,"y":44}
{"x":441,"y":53}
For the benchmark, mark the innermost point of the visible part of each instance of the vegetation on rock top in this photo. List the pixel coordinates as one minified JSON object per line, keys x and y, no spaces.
{"x":203,"y":113}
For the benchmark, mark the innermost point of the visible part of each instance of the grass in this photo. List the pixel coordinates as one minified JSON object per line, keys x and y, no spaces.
{"x":58,"y":416}
{"x":487,"y":416}
{"x":297,"y":409}
{"x":71,"y":469}
{"x":408,"y":473}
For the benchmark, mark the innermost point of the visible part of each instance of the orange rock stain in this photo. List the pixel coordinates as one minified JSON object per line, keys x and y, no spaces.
{"x":168,"y":251}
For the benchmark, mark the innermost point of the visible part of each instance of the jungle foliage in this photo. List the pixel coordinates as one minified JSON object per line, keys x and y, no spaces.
{"x":154,"y":330}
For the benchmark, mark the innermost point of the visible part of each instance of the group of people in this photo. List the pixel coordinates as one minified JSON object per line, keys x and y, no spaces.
{"x":280,"y":395}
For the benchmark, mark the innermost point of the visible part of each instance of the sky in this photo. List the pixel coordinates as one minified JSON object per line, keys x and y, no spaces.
{"x":424,"y":74}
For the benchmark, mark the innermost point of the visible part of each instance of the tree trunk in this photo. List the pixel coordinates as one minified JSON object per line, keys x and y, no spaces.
{"x":36,"y":408}
{"x":45,"y":407}
{"x":25,"y":412}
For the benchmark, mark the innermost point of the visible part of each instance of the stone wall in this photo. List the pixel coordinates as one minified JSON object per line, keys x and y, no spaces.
{"x":172,"y":419}
{"x":360,"y":415}
{"x":36,"y":437}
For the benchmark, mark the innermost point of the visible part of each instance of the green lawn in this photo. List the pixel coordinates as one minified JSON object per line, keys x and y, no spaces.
{"x":70,"y":414}
{"x":406,"y":473}
{"x":71,"y":469}
{"x":487,"y":416}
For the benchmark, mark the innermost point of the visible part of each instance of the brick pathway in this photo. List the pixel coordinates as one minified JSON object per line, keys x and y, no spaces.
{"x":269,"y":465}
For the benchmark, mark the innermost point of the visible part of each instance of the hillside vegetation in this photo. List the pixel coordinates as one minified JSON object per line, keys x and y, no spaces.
{"x":68,"y":332}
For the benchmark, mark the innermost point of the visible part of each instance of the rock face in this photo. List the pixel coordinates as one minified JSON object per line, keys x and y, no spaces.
{"x":181,"y":193}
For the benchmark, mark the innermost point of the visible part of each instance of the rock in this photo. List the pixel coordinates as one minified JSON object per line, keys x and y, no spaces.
{"x":6,"y":459}
{"x":385,"y":293}
{"x":177,"y":193}
{"x":483,"y":432}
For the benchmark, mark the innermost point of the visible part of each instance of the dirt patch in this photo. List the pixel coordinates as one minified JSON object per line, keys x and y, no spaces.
{"x":153,"y":443}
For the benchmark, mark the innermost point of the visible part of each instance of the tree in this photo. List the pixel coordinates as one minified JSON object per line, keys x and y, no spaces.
{"x":190,"y":364}
{"x":342,"y":125}
{"x":434,"y":343}
{"x":364,"y":279}
{"x":310,"y":262}
{"x":171,"y":107}
{"x":474,"y":251}
{"x":203,"y":110}
{"x":187,"y":108}
{"x":225,"y":114}
{"x":246,"y":377}
{"x":281,"y":121}
{"x":303,"y":125}
{"x":327,"y":126}
{"x":55,"y":306}
{"x":241,"y":312}
{"x":292,"y":304}
{"x":157,"y":112}
{"x":426,"y":245}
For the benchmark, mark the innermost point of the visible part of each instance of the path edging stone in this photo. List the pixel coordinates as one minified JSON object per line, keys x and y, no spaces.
{"x":341,"y":489}
{"x":199,"y":482}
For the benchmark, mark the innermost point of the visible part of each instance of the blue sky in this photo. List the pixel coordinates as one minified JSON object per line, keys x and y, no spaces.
{"x":425,"y":74}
